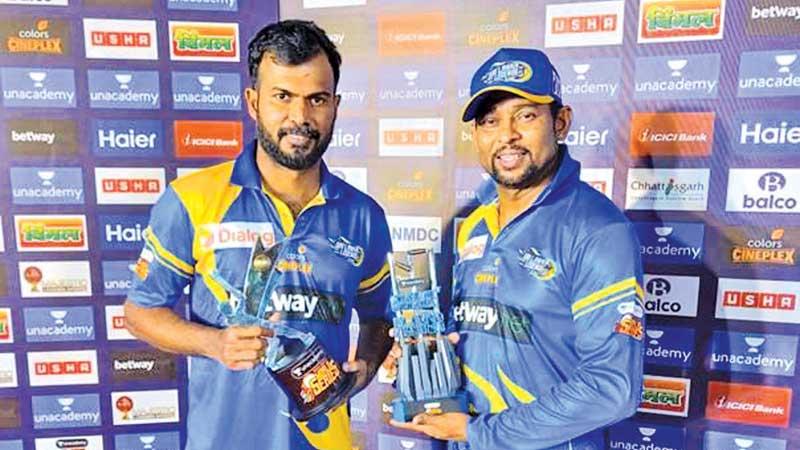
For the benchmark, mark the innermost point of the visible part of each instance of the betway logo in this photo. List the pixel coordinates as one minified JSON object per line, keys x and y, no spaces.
{"x":33,"y":137}
{"x":293,"y":303}
{"x":134,"y":365}
{"x":482,"y":315}
{"x":775,"y":12}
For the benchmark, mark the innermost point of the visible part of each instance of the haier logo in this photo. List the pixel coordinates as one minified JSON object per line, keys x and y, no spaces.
{"x":758,"y":300}
{"x":671,"y":242}
{"x":42,"y":137}
{"x":763,"y":190}
{"x":61,"y":324}
{"x":584,"y":24}
{"x":766,"y":132}
{"x":630,"y":435}
{"x":411,"y":137}
{"x":667,"y":189}
{"x":71,"y":442}
{"x":142,"y":407}
{"x":206,"y":90}
{"x":410,"y":86}
{"x":768,"y":354}
{"x":124,"y":89}
{"x":719,"y":440}
{"x":679,"y":20}
{"x":591,"y":138}
{"x":349,"y":139}
{"x":749,"y":404}
{"x":66,"y":411}
{"x":38,"y":87}
{"x":47,"y":186}
{"x":773,"y":17}
{"x":120,"y":39}
{"x":128,"y":185}
{"x":147,"y":441}
{"x":671,"y":295}
{"x":138,"y":365}
{"x":204,"y":5}
{"x":410,"y":232}
{"x":127,"y":138}
{"x":117,"y":277}
{"x":769,"y":74}
{"x":590,"y":80}
{"x":62,"y":368}
{"x":669,"y":346}
{"x":677,"y":77}
{"x":122,"y":232}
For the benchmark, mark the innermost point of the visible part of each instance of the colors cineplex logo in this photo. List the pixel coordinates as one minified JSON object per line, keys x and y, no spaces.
{"x":117,"y":277}
{"x":50,"y":137}
{"x":763,"y":190}
{"x":120,"y":39}
{"x":600,"y":179}
{"x":584,"y":24}
{"x":630,"y":435}
{"x":409,"y":188}
{"x":122,"y":232}
{"x":42,"y":279}
{"x":680,"y":20}
{"x":717,"y":439}
{"x":494,"y":28}
{"x":141,"y":407}
{"x":8,"y":370}
{"x":749,"y":404}
{"x":62,"y":368}
{"x":61,"y":324}
{"x":34,"y":36}
{"x":671,"y":242}
{"x":161,"y":440}
{"x":758,"y":300}
{"x":137,"y":365}
{"x":677,"y":77}
{"x":70,"y":442}
{"x":671,"y":295}
{"x":769,"y":74}
{"x":590,"y":80}
{"x":411,"y":137}
{"x":766,"y":132}
{"x":773,"y":17}
{"x":124,"y":89}
{"x":6,"y":326}
{"x":682,"y":134}
{"x":66,"y":411}
{"x":115,"y":324}
{"x":669,"y":346}
{"x":411,"y":34}
{"x":206,"y":90}
{"x":665,"y":395}
{"x":47,"y":186}
{"x":204,"y":5}
{"x":50,"y":233}
{"x":207,"y":138}
{"x":762,"y":246}
{"x":204,"y":41}
{"x":410,"y":86}
{"x":410,"y":232}
{"x":128,"y":185}
{"x":127,"y":138}
{"x":38,"y":87}
{"x":354,"y":176}
{"x":667,"y":189}
{"x":768,"y":354}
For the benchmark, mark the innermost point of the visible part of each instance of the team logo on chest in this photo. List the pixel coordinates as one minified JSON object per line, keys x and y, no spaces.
{"x":347,"y":250}
{"x":536,"y":264}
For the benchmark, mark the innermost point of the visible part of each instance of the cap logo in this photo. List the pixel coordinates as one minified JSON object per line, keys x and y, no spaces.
{"x":508,"y":71}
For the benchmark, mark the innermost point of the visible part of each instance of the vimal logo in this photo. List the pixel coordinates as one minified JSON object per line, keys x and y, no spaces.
{"x":769,"y":74}
{"x":124,"y":89}
{"x":38,"y":87}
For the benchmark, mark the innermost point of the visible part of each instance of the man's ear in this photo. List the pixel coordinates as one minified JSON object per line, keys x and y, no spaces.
{"x":251,"y":98}
{"x":563,"y":121}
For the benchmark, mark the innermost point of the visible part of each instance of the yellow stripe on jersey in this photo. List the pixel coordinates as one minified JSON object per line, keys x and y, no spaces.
{"x":606,"y":293}
{"x":165,"y":255}
{"x":496,"y":402}
{"x":522,"y":395}
{"x":374,"y":281}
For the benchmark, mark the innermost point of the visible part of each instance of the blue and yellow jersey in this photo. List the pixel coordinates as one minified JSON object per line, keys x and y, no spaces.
{"x":333,"y":261}
{"x":551,"y":318}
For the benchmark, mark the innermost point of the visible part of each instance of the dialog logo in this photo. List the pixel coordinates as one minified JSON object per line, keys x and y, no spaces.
{"x":763,"y":190}
{"x":749,"y":404}
{"x":62,"y":368}
{"x":423,"y":137}
{"x":671,"y":295}
{"x":42,"y":279}
{"x":207,"y":138}
{"x":206,"y":90}
{"x":227,"y":235}
{"x":35,"y":36}
{"x":120,"y":39}
{"x":584,"y":24}
{"x":766,"y":132}
{"x":590,"y":80}
{"x":630,"y":435}
{"x":124,"y":89}
{"x":142,"y":365}
{"x":409,"y":232}
{"x":667,"y":189}
{"x":142,"y":407}
{"x":161,"y":440}
{"x":684,"y":134}
{"x":115,"y":324}
{"x":774,"y":73}
{"x":122,"y":232}
{"x":66,"y":411}
{"x":773,"y":17}
{"x":671,"y":242}
{"x":677,"y":77}
{"x":29,"y":87}
{"x":6,"y":326}
{"x":59,"y":324}
{"x":665,"y":396}
{"x":680,"y":20}
{"x":411,"y":34}
{"x":47,"y":186}
{"x":601,"y":179}
{"x":718,"y":439}
{"x":766,"y":354}
{"x":204,"y":5}
{"x":669,"y":346}
{"x":128,"y":185}
{"x":50,"y":233}
{"x":8,"y":370}
{"x":204,"y":41}
{"x":41,"y":137}
{"x":758,"y":300}
{"x":117,"y":277}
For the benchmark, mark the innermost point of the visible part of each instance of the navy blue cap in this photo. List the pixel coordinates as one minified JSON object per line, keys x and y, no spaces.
{"x":525,"y":72}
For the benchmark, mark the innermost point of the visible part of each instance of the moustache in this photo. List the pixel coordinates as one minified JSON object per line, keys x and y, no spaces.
{"x":515,"y":148}
{"x":303,"y":130}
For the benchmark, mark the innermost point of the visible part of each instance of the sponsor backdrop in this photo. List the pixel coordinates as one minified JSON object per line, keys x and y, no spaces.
{"x":103,"y":102}
{"x":686,"y":115}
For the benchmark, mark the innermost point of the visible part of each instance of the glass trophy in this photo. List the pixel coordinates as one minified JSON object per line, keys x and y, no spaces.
{"x":428,"y":378}
{"x":302,"y":368}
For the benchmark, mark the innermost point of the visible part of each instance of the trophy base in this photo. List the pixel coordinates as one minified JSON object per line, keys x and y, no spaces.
{"x":335,"y":399}
{"x":405,"y":410}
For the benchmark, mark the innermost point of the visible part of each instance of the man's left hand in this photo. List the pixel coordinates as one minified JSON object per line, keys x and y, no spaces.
{"x":359,"y":367}
{"x":447,"y":426}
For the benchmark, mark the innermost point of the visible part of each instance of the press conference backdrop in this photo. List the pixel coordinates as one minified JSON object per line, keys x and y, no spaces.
{"x":686,"y":116}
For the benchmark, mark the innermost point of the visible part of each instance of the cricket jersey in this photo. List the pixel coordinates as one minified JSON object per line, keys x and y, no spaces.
{"x":333,"y":260}
{"x":551,"y":318}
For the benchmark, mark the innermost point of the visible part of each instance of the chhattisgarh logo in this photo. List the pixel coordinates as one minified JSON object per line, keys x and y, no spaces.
{"x":536,"y":264}
{"x":680,"y":20}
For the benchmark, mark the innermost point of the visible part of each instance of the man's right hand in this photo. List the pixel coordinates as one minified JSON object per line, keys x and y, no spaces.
{"x":241,"y":348}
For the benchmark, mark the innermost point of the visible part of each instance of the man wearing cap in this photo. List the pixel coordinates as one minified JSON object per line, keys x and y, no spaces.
{"x":547,"y":303}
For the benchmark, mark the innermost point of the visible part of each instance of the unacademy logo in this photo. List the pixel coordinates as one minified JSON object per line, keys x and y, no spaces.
{"x":592,"y":80}
{"x":646,"y":437}
{"x":656,"y":350}
{"x":66,"y":416}
{"x":217,"y":91}
{"x":38,"y":87}
{"x":133,"y":89}
{"x":46,"y":185}
{"x":768,"y":73}
{"x":691,"y":76}
{"x":667,"y":248}
{"x":59,"y":328}
{"x":415,"y":86}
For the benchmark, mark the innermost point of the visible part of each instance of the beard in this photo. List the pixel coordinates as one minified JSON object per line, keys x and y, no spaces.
{"x":302,"y":157}
{"x":533,"y":175}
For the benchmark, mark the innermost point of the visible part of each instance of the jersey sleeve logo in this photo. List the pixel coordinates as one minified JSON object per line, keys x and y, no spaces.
{"x":536,"y":264}
{"x":347,"y":250}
